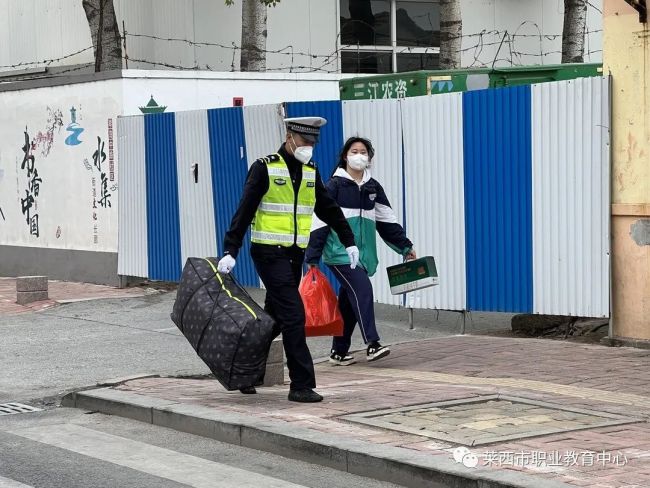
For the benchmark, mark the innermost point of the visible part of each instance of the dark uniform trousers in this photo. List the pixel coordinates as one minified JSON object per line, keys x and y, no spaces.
{"x":280,"y":269}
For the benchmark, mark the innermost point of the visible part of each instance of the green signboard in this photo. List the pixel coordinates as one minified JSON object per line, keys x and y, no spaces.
{"x":418,"y":83}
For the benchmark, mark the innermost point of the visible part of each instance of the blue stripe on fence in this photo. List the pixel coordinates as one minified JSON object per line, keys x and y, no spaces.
{"x":229,"y":170}
{"x":163,"y":224}
{"x":329,"y":145}
{"x":498,"y":199}
{"x":331,"y":136}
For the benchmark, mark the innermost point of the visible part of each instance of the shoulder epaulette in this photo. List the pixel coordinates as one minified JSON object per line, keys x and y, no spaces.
{"x":271,"y":158}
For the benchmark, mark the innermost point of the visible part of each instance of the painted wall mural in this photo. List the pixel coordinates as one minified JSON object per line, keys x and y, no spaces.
{"x":44,"y":140}
{"x":33,"y":186}
{"x":58,"y":177}
{"x":152,"y":107}
{"x":74,"y":128}
{"x":61,"y":191}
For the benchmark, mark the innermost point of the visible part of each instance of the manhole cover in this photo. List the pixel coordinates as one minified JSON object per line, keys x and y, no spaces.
{"x":12,"y":408}
{"x":487,"y":419}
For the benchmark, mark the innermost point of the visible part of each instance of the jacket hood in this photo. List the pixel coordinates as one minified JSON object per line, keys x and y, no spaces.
{"x":340,"y":172}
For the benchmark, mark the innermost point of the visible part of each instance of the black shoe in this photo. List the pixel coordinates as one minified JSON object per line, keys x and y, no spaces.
{"x":341,"y":359}
{"x":249,"y":390}
{"x":304,"y":396}
{"x":377,"y":351}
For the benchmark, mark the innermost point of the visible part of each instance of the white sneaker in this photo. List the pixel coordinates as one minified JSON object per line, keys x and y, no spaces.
{"x":377,"y":351}
{"x":339,"y":360}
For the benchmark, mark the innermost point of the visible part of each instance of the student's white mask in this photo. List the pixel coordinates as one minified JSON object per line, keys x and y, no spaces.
{"x":358,"y":162}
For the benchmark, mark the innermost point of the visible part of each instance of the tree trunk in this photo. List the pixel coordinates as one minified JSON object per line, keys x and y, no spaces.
{"x":253,"y":36}
{"x":451,"y":31}
{"x":107,"y":42}
{"x":573,"y":33}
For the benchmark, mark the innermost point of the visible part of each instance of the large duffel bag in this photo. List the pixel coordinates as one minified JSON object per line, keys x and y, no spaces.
{"x":224,"y":325}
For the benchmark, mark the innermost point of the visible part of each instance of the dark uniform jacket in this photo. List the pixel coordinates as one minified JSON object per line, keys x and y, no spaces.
{"x":256,"y":186}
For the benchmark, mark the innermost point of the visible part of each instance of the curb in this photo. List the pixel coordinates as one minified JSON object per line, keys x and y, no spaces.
{"x":66,"y":301}
{"x":385,"y":463}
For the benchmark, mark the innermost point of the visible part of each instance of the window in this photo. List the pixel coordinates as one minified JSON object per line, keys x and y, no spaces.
{"x":385,"y":36}
{"x":418,"y":24}
{"x":365,"y":22}
{"x":366,"y":62}
{"x":414,"y":62}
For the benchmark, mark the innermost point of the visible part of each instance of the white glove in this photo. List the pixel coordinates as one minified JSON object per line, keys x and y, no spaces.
{"x":226,"y":264}
{"x":353,"y":254}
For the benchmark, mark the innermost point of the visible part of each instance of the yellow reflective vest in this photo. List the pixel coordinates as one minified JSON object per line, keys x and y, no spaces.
{"x":282,"y":218}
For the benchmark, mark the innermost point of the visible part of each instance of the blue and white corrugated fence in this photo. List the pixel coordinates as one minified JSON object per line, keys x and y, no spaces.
{"x":507,"y":188}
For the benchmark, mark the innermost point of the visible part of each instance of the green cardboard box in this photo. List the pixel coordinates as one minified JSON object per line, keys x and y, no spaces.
{"x":412,"y":275}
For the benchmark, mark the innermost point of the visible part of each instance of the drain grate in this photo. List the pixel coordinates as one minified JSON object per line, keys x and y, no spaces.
{"x":14,"y":408}
{"x":487,"y":419}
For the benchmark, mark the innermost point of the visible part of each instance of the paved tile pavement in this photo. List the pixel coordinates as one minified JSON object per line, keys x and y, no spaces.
{"x":487,"y":419}
{"x":576,"y":376}
{"x":60,"y":292}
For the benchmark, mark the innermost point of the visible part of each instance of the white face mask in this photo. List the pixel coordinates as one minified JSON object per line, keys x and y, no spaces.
{"x":302,"y":153}
{"x":358,"y":162}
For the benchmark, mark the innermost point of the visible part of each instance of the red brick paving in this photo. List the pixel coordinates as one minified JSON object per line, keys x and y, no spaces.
{"x":612,"y":373}
{"x":59,"y":291}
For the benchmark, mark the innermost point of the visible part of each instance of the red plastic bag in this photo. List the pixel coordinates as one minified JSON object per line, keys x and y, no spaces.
{"x":322,"y":315}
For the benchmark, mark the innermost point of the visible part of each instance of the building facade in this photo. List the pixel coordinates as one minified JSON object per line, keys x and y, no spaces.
{"x":373,"y":36}
{"x":626,"y":57}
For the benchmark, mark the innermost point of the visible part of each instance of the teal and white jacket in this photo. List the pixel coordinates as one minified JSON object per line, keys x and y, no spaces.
{"x":368,"y":212}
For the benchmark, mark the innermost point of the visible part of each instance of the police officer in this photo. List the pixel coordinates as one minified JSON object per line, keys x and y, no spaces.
{"x":281,"y":194}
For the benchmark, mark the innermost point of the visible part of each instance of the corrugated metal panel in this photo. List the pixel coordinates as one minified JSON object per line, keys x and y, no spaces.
{"x":229,"y":170}
{"x":197,"y":224}
{"x":329,"y":145}
{"x":380,"y":121}
{"x":264,"y":130}
{"x":498,"y":200}
{"x":331,"y":136}
{"x":571,"y":200}
{"x":163,"y":226}
{"x":132,"y":256}
{"x":433,"y":166}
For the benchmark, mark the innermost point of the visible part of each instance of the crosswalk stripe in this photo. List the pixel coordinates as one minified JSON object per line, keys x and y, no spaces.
{"x":9,"y":483}
{"x":157,"y":461}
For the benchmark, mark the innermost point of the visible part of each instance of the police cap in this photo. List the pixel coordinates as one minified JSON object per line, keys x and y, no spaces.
{"x":307,"y":127}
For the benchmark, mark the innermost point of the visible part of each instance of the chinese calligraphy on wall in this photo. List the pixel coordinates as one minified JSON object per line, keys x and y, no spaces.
{"x":29,"y":204}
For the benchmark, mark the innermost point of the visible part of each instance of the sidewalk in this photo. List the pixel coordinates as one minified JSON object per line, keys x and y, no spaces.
{"x":566,"y":414}
{"x":60,"y":292}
